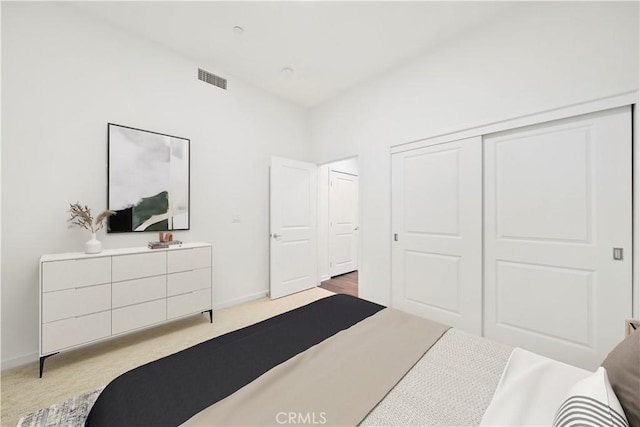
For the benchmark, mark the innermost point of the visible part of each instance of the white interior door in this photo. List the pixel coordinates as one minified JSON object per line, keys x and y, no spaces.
{"x":437,"y":226}
{"x":293,"y":226}
{"x":343,"y":223}
{"x":557,"y":203}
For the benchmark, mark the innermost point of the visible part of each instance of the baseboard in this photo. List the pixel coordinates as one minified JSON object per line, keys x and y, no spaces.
{"x":325,"y":277}
{"x":19,"y":361}
{"x":240,"y":300}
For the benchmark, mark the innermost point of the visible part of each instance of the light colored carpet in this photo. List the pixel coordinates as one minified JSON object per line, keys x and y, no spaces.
{"x":79,"y":371}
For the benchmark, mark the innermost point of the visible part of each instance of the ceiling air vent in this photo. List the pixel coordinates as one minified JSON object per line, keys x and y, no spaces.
{"x":212,"y":79}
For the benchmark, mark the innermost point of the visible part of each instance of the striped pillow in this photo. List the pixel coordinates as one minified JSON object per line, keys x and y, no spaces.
{"x":591,"y":402}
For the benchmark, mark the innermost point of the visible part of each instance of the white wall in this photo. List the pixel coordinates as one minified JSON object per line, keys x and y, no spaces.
{"x":0,"y":194}
{"x":636,"y":212}
{"x":349,"y":166}
{"x":63,"y":78}
{"x":323,"y":223}
{"x":538,"y":56}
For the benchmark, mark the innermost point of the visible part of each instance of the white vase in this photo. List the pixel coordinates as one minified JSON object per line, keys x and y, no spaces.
{"x":93,"y":246}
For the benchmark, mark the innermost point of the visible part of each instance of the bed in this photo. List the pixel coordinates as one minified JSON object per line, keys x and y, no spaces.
{"x":346,"y":361}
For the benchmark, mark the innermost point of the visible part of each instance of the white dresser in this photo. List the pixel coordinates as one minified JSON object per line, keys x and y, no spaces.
{"x":86,"y":298}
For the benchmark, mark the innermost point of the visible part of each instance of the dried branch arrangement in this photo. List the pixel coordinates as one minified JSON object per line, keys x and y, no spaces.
{"x":81,"y":217}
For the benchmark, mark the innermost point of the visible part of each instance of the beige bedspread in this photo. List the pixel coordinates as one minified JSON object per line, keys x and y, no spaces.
{"x":337,"y":382}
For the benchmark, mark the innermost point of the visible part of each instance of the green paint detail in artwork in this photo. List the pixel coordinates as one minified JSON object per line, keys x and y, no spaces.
{"x":150,"y":206}
{"x":159,"y":226}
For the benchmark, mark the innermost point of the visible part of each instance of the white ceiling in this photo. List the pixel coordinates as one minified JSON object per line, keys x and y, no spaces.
{"x":331,"y":46}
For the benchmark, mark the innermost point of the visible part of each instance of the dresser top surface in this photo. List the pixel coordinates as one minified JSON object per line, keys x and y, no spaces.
{"x":119,"y":251}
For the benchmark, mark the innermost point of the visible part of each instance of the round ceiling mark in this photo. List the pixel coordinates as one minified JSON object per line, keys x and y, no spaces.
{"x":238,"y":30}
{"x":287,"y":71}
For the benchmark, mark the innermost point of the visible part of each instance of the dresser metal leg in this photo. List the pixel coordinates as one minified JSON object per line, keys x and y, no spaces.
{"x":210,"y":314}
{"x":42,"y":359}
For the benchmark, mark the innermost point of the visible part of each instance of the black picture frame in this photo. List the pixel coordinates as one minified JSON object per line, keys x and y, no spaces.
{"x":148,"y":180}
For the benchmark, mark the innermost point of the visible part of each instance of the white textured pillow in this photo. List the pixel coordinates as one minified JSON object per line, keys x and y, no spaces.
{"x":591,"y":402}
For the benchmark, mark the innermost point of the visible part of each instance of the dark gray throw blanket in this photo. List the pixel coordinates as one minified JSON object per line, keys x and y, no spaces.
{"x":169,"y":391}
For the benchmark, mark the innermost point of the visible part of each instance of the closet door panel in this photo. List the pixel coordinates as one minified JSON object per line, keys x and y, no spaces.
{"x":557,"y":202}
{"x":436,"y":214}
{"x":543,"y":182}
{"x":443,"y":292}
{"x":558,"y":306}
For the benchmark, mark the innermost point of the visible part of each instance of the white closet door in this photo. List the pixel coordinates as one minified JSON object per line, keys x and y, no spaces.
{"x":437,"y":218}
{"x":557,"y":203}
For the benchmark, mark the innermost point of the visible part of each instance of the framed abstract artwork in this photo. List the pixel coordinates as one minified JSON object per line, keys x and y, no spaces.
{"x":148,"y":182}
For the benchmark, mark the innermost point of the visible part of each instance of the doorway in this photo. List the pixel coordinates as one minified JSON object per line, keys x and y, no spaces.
{"x":338,"y":226}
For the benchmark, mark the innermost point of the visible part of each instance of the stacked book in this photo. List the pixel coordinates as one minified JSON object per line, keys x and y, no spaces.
{"x":164,"y":245}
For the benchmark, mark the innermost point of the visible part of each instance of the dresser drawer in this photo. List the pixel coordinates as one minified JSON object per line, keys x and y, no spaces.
{"x":137,"y":316}
{"x":58,"y":275}
{"x":194,"y":302}
{"x":188,"y":259}
{"x":127,"y":267}
{"x":188,"y":281}
{"x":77,"y":330}
{"x":75,"y":302}
{"x":139,"y":290}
